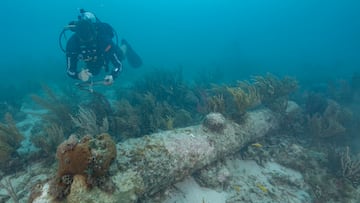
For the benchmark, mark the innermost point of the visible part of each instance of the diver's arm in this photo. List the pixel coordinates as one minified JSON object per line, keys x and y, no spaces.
{"x":111,"y":50}
{"x":116,"y":56}
{"x":83,"y":75}
{"x":109,"y":79}
{"x":115,"y":59}
{"x":71,"y":64}
{"x":117,"y":66}
{"x":72,"y":57}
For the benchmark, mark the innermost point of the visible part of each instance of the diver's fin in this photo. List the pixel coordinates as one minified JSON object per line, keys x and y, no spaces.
{"x":132,"y":57}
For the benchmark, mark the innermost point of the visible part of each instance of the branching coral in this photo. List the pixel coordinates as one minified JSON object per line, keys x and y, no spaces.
{"x":345,"y":165}
{"x":144,"y":115}
{"x":10,"y":139}
{"x":101,"y":106}
{"x":155,"y":114}
{"x":160,"y":101}
{"x":87,"y":121}
{"x":331,"y":123}
{"x":274,"y":92}
{"x":315,"y":103}
{"x":59,"y":111}
{"x":157,"y":101}
{"x":165,"y":85}
{"x":271,"y":87}
{"x":126,"y":120}
{"x":245,"y":96}
{"x":216,"y":104}
{"x":350,"y":167}
{"x":182,"y":118}
{"x":325,"y":127}
{"x":48,"y":140}
{"x":233,"y":102}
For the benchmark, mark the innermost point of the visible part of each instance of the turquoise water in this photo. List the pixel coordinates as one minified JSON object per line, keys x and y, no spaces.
{"x":312,"y":40}
{"x":182,"y":42}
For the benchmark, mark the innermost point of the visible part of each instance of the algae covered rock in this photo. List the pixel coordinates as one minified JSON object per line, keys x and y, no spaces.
{"x":215,"y":122}
{"x":150,"y":164}
{"x":89,"y":157}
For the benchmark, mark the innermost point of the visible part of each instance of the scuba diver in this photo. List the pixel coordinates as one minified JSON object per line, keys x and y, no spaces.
{"x":92,"y":42}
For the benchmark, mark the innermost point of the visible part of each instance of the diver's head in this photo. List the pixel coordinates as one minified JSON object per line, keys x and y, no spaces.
{"x":86,"y":30}
{"x":86,"y":15}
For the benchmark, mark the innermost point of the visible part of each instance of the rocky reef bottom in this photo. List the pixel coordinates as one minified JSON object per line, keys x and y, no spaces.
{"x":279,"y":168}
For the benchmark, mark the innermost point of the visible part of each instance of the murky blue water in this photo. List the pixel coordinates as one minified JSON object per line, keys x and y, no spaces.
{"x":312,"y":40}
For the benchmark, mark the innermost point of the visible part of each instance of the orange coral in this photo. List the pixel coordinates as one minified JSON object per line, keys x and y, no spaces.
{"x":90,"y":157}
{"x":75,"y":161}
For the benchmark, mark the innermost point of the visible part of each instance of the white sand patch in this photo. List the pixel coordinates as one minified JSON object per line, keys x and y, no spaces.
{"x":271,"y":183}
{"x":249,"y":182}
{"x":190,"y":191}
{"x":32,"y":116}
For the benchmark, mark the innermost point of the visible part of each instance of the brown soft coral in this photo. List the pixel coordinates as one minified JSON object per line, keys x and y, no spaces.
{"x":89,"y":157}
{"x":103,"y":150}
{"x":74,"y":158}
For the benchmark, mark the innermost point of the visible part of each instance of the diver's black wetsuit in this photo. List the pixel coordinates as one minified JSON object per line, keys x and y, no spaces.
{"x":96,"y":53}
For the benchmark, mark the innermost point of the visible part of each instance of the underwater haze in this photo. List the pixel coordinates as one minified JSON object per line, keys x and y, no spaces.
{"x":307,"y":39}
{"x":235,"y":101}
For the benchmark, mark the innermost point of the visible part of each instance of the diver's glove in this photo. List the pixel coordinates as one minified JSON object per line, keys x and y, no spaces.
{"x":84,"y":75}
{"x":115,"y":73}
{"x":108,"y":80}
